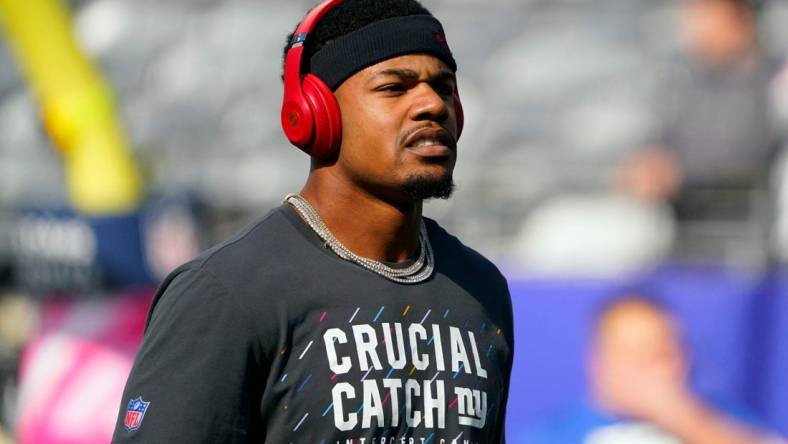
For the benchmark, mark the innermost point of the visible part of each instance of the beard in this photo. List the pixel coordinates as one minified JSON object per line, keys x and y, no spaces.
{"x":421,"y":187}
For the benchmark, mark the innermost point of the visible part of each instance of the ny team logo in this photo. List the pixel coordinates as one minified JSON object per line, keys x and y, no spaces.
{"x":135,"y":411}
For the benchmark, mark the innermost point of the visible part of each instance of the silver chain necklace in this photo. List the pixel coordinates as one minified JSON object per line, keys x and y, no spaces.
{"x":419,"y":271}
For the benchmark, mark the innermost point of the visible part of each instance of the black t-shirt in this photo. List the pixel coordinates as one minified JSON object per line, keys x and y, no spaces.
{"x":272,"y":338}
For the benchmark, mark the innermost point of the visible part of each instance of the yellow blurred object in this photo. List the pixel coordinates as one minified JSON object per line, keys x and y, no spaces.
{"x":5,"y":438}
{"x":77,"y":107}
{"x":19,"y":319}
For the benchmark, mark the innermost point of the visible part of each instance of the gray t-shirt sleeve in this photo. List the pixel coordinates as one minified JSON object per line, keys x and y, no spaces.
{"x":197,"y":376}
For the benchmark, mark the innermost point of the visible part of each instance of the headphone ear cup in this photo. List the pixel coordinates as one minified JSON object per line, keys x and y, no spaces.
{"x":327,"y":135}
{"x":458,"y":113}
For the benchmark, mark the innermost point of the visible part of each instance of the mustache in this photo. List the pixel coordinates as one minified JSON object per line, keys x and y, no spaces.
{"x":445,"y":135}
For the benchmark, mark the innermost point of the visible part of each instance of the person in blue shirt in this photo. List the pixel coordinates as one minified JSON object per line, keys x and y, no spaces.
{"x":639,"y":391}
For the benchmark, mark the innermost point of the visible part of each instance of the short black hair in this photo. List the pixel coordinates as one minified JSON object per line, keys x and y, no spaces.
{"x":645,"y":293}
{"x":351,"y":16}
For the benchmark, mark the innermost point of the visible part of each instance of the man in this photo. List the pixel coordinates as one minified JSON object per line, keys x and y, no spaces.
{"x":639,"y":389}
{"x":717,"y":136}
{"x":343,"y":315}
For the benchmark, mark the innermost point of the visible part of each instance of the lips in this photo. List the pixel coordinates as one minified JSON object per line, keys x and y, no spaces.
{"x":431,"y":142}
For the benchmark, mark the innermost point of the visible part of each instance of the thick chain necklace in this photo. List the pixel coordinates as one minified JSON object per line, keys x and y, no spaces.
{"x":417,"y":272}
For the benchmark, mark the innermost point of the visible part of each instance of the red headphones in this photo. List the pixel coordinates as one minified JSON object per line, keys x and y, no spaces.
{"x":310,"y":113}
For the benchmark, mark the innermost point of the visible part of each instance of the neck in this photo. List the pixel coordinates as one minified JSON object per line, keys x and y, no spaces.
{"x":367,"y":225}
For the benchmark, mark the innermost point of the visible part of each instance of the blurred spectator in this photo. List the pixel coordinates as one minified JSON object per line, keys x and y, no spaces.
{"x":718,"y":135}
{"x":639,"y":389}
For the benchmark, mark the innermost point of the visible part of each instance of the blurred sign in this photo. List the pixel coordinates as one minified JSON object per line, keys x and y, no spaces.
{"x":59,"y":251}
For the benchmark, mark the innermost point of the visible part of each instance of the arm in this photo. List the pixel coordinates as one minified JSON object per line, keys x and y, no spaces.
{"x":646,"y":394}
{"x":696,"y":423}
{"x":198,"y":367}
{"x":652,"y":174}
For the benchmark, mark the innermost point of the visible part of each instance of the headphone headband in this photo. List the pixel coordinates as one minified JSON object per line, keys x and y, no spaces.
{"x":295,"y":52}
{"x":300,"y":35}
{"x":298,"y":118}
{"x":309,"y":21}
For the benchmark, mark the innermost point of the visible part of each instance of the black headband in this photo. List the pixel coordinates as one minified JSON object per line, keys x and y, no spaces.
{"x":377,"y":42}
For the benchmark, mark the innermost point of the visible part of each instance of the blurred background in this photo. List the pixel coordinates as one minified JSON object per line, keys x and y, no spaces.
{"x":611,"y":147}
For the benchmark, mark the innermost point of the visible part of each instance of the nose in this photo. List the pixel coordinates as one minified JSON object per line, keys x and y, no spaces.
{"x":429,"y":105}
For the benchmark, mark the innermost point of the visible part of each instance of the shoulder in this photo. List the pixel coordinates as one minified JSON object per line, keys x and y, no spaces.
{"x":455,"y":253}
{"x":739,"y":412}
{"x":225,"y":293}
{"x":772,"y":63}
{"x":572,"y":423}
{"x":235,"y":271}
{"x":255,"y":242}
{"x":259,"y":253}
{"x":474,"y":273}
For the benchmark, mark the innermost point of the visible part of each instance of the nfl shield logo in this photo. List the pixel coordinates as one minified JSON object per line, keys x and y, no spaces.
{"x":135,"y":411}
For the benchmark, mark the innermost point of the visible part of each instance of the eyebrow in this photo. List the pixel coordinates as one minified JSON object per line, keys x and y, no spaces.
{"x":444,"y":74}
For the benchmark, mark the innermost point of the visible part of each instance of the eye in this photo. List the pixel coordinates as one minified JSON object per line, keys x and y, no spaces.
{"x":392,"y":88}
{"x":445,"y":89}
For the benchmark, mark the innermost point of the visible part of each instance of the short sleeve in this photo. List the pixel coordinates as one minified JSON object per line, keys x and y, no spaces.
{"x":197,"y":376}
